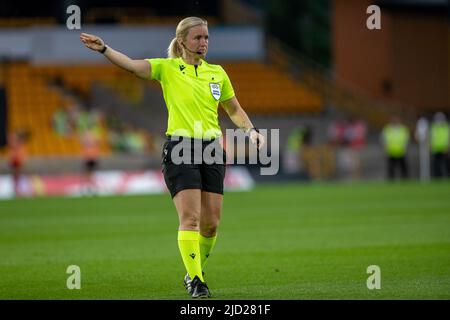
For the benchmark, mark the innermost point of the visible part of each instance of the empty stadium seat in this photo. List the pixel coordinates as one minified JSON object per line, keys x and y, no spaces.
{"x":263,"y":89}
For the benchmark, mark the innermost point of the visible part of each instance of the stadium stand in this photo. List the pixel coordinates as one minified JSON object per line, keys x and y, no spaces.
{"x":33,"y":101}
{"x":264,"y":89}
{"x":12,"y":22}
{"x":31,"y":104}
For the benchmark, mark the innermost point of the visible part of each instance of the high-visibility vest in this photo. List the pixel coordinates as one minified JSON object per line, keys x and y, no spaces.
{"x":396,"y":138}
{"x":440,"y":137}
{"x":295,"y":139}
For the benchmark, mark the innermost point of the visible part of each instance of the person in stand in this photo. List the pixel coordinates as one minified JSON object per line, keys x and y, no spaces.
{"x":90,"y":148}
{"x":355,"y":136}
{"x":17,"y":157}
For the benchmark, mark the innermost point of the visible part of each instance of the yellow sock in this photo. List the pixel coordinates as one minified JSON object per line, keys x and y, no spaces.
{"x":206,"y":246}
{"x":190,"y":252}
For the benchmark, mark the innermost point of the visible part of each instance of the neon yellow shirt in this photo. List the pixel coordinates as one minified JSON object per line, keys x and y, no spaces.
{"x":192,"y":95}
{"x":396,"y":138}
{"x":440,"y":137}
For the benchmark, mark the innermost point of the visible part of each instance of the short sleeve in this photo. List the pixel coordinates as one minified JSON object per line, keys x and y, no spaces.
{"x":227,"y":87}
{"x":156,"y":66}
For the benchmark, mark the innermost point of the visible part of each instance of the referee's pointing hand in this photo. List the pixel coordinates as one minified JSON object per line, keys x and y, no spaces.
{"x":257,"y":138}
{"x":92,"y":42}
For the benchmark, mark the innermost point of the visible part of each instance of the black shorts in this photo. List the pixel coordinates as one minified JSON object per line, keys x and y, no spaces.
{"x":197,"y":172}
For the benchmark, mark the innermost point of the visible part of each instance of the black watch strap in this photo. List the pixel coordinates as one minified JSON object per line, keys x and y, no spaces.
{"x":104,"y":49}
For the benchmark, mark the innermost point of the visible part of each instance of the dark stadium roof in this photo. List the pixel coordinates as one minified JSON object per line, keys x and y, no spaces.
{"x":422,"y":6}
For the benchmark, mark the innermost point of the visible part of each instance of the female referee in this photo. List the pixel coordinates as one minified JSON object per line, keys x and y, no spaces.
{"x":192,"y":90}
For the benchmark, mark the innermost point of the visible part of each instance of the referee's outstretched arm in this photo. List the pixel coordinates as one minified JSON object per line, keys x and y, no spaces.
{"x":140,"y":68}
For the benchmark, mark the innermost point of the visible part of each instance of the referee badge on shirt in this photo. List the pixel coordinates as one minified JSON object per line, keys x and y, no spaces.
{"x":215,"y":90}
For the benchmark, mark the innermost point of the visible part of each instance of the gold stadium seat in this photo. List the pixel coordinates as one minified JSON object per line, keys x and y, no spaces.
{"x":264,"y":89}
{"x":32,"y":102}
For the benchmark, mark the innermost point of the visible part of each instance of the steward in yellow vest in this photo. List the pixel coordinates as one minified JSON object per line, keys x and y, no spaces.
{"x":439,"y":145}
{"x":395,"y":139}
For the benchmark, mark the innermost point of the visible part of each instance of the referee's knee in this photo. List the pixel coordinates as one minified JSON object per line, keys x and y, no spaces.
{"x":208,"y":230}
{"x":190,"y":222}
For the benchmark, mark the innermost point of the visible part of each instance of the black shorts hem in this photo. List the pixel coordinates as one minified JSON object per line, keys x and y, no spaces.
{"x":212,"y":190}
{"x":174,"y":192}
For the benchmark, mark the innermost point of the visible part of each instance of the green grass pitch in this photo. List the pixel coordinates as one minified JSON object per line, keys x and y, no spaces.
{"x":286,"y":241}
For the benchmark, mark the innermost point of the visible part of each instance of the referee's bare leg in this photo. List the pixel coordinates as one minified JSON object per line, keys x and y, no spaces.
{"x":199,"y":215}
{"x":188,"y":205}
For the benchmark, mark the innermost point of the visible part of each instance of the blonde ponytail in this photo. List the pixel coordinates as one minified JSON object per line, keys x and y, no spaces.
{"x":174,"y":50}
